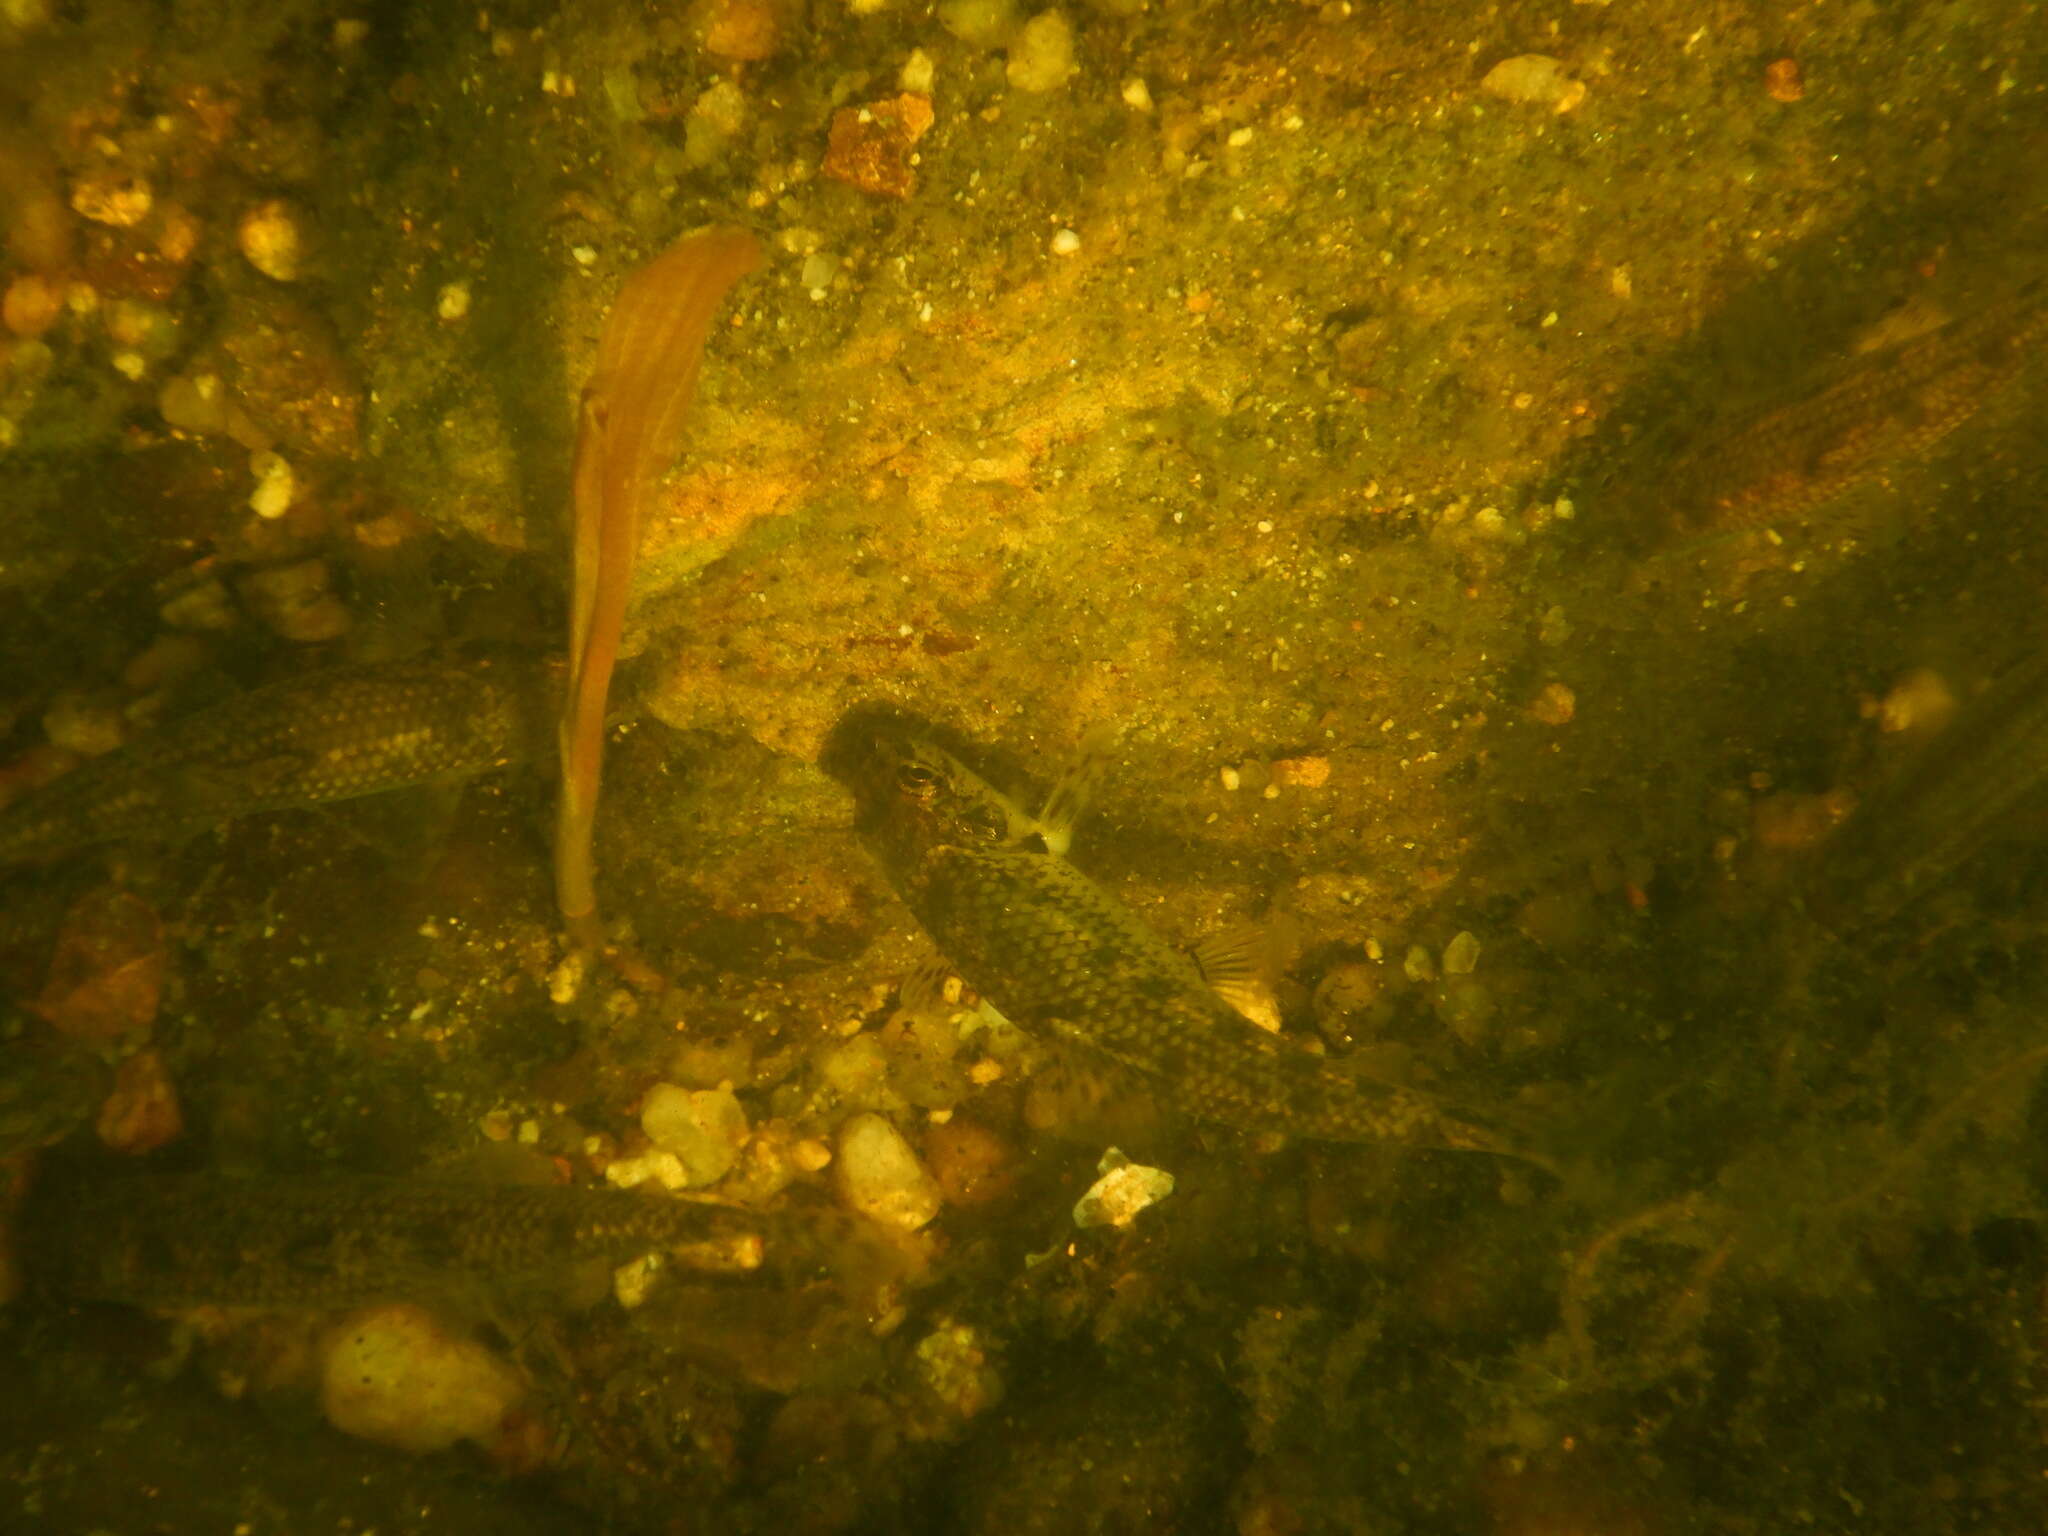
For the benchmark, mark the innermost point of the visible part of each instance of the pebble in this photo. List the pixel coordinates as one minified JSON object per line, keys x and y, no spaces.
{"x":112,"y":197}
{"x":453,"y":302}
{"x":971,"y":1162}
{"x":31,"y":305}
{"x":1124,"y":1189}
{"x":86,"y":723}
{"x":1782,"y":78}
{"x":396,"y":1375}
{"x":1302,"y":772}
{"x":1920,"y":701}
{"x":704,"y":1129}
{"x":295,"y":602}
{"x":142,"y":1113}
{"x":979,"y":23}
{"x":917,"y":73}
{"x":1534,"y":79}
{"x":1555,"y":705}
{"x":879,"y":1175}
{"x":870,"y":147}
{"x":205,"y":605}
{"x":1137,"y":94}
{"x":1065,"y":243}
{"x":268,"y":236}
{"x":1042,"y":56}
{"x":275,"y":487}
{"x":1461,"y":955}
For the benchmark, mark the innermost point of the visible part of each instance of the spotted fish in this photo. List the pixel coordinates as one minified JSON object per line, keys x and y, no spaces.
{"x":341,"y":1241}
{"x":329,"y":735}
{"x":1788,"y":462}
{"x":1060,"y":956}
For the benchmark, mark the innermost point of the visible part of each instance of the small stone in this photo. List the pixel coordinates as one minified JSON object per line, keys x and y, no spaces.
{"x":1418,"y":965}
{"x":400,"y":1377}
{"x":1782,"y":78}
{"x":704,"y":1129}
{"x":453,"y":301}
{"x":142,"y":1113}
{"x":1535,"y":79}
{"x":1065,"y":243}
{"x":632,"y":1280}
{"x":31,"y":305}
{"x":203,"y":606}
{"x":653,"y":1167}
{"x":275,"y":486}
{"x":565,"y":981}
{"x":1124,"y":1189}
{"x":1137,"y":94}
{"x":269,"y":239}
{"x":1042,"y":57}
{"x":296,"y":603}
{"x":954,"y":1363}
{"x":86,"y":723}
{"x":870,"y":147}
{"x":979,"y":23}
{"x":810,"y":1155}
{"x":112,"y":197}
{"x":880,"y":1176}
{"x":971,"y":1162}
{"x":1302,"y":772}
{"x":1555,"y":705}
{"x":1920,"y":701}
{"x":917,"y":73}
{"x":1229,"y":777}
{"x":744,"y":31}
{"x":1461,"y":955}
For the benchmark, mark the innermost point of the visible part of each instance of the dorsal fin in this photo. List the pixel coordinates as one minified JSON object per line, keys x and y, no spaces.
{"x":1237,"y":963}
{"x":1071,"y":796}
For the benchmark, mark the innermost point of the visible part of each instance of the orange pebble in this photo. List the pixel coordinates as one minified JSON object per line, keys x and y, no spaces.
{"x":142,"y":1113}
{"x":971,"y":1162}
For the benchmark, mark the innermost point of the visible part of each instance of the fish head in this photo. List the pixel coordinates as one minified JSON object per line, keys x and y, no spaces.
{"x":912,"y":794}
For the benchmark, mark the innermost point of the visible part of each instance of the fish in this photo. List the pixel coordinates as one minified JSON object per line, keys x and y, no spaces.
{"x":1790,"y":461}
{"x":329,"y":735}
{"x":331,"y":1241}
{"x":1061,"y":957}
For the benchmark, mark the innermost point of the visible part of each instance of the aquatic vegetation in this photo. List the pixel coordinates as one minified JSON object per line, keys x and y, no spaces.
{"x":632,"y":410}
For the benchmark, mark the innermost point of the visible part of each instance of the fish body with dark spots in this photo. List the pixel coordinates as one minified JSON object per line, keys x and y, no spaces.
{"x":1788,"y":462}
{"x":1059,"y":956}
{"x":325,"y":736}
{"x":340,"y":1241}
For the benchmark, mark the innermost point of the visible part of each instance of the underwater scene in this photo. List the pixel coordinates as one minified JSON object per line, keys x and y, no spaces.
{"x":1264,"y":767}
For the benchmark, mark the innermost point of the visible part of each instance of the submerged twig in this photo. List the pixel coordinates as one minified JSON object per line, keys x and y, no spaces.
{"x":631,"y":411}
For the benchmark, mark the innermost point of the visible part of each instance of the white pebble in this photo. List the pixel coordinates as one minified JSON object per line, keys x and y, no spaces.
{"x":1124,"y":1189}
{"x":1042,"y":56}
{"x":705,"y":1130}
{"x":274,"y":484}
{"x":880,"y":1176}
{"x":1461,"y":955}
{"x":916,"y":74}
{"x":1534,"y":79}
{"x":1065,"y":243}
{"x":268,"y":236}
{"x":453,"y":302}
{"x":1137,"y":94}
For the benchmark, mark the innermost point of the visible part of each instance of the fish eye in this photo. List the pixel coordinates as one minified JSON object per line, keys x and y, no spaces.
{"x":916,"y":779}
